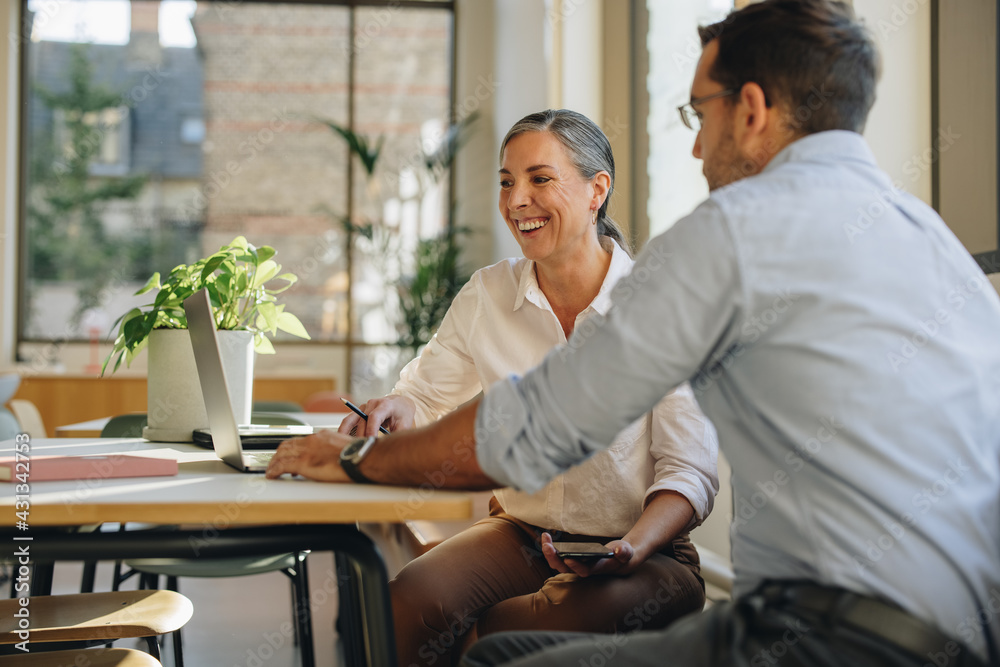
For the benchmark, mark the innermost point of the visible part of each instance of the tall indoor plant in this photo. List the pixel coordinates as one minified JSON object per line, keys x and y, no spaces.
{"x":421,"y":275}
{"x":239,"y":280}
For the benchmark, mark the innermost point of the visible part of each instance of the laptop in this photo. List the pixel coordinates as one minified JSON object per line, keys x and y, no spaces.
{"x":226,"y":435}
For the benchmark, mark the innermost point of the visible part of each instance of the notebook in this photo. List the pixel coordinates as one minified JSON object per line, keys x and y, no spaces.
{"x":90,"y":467}
{"x":222,"y":427}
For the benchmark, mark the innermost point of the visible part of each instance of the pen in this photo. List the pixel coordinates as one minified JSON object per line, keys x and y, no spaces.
{"x":356,"y":410}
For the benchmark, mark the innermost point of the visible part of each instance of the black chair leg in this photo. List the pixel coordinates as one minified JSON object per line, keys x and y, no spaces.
{"x":41,"y":578}
{"x":116,"y":576}
{"x":304,"y":609}
{"x":149,"y":582}
{"x":349,"y":623}
{"x":89,"y":574}
{"x":172,"y":585}
{"x":153,"y":645}
{"x":302,"y":634}
{"x":178,"y":649}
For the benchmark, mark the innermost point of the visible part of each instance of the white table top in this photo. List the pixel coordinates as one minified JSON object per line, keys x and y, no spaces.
{"x":208,"y":492}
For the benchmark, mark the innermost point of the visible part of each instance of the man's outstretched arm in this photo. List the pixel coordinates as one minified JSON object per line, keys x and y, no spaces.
{"x":442,"y":453}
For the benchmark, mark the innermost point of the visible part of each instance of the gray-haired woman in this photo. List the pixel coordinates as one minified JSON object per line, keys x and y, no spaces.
{"x":639,"y":498}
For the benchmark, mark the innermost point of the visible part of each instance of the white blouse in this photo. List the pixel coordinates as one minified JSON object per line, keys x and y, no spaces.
{"x":501,"y":324}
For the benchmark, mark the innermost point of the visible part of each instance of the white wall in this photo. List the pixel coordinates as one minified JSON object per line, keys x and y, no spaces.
{"x":676,"y":182}
{"x":899,"y":127}
{"x":519,"y":60}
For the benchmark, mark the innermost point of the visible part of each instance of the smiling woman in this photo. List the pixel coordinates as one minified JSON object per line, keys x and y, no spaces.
{"x":638,"y":499}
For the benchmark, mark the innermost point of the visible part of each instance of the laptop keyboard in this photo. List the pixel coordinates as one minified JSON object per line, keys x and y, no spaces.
{"x":258,"y":459}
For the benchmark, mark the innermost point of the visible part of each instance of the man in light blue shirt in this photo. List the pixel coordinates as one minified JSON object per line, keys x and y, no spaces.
{"x":843,"y":342}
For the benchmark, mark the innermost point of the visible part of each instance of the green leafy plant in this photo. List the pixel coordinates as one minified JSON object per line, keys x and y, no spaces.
{"x":238,"y":279}
{"x":426,"y":295}
{"x":435,"y":274}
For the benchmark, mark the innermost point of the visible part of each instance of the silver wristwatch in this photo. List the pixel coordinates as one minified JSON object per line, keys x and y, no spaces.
{"x":352,"y":456}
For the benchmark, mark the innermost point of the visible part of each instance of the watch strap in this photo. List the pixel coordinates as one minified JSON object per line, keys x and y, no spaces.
{"x":350,"y":465}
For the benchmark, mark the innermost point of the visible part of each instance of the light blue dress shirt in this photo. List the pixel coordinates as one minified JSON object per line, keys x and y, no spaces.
{"x":847,"y":349}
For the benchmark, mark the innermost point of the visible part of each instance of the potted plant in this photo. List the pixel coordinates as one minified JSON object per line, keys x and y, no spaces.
{"x":239,"y":279}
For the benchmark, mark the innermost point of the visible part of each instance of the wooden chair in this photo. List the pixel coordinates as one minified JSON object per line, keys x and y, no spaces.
{"x":28,"y":417}
{"x":97,"y":618}
{"x":92,"y":657}
{"x":9,"y":426}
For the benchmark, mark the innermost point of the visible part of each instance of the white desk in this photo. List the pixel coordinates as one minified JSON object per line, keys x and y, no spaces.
{"x":232,"y":514}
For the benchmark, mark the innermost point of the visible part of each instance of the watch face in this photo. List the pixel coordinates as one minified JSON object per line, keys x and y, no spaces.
{"x":357,"y":450}
{"x":351,"y":451}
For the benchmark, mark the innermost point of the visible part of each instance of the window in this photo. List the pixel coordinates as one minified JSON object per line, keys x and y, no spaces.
{"x":157,"y":132}
{"x":674,"y":49}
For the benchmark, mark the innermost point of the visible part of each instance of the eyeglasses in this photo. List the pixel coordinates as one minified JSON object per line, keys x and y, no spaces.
{"x":691,"y":117}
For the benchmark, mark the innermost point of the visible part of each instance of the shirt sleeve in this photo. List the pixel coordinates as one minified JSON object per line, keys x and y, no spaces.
{"x":675,"y":314}
{"x":444,"y":375}
{"x":685,"y":450}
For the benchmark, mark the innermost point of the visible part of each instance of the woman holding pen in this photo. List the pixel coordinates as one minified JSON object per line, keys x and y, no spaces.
{"x":640,"y":498}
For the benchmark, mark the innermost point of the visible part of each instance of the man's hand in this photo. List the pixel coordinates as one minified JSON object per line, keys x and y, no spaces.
{"x":315,"y":456}
{"x":620,"y":564}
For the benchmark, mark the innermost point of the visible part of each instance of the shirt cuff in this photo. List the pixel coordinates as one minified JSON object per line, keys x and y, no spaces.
{"x":700,"y":502}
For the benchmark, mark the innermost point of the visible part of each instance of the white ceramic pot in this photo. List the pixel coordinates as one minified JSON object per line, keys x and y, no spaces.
{"x":175,"y":407}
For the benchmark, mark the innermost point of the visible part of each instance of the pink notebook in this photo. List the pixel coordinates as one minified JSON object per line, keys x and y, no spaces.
{"x":53,"y":468}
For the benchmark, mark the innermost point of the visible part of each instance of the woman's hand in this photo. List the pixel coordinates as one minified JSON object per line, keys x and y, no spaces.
{"x":622,"y":563}
{"x":392,"y":411}
{"x":315,"y":456}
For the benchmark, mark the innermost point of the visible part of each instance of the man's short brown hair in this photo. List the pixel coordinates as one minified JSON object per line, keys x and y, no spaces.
{"x":810,"y":56}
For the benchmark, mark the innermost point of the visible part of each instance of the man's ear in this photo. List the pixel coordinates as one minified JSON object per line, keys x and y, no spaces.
{"x":755,"y":121}
{"x":601,"y":185}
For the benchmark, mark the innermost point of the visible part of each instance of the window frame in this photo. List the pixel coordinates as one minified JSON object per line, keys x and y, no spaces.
{"x":20,"y":341}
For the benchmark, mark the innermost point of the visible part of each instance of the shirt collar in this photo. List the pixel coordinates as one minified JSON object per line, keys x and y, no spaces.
{"x":528,"y":288}
{"x":832,"y":145}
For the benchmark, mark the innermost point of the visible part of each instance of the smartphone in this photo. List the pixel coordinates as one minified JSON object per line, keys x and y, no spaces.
{"x":582,"y":550}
